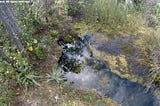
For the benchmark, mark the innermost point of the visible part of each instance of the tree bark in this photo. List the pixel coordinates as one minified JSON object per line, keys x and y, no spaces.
{"x":11,"y":25}
{"x":11,"y":32}
{"x":13,"y":20}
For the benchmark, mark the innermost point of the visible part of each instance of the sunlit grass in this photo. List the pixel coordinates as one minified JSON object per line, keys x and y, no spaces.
{"x":112,"y":16}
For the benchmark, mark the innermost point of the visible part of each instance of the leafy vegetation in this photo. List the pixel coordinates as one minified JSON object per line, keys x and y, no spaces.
{"x":25,"y":77}
{"x":42,"y":23}
{"x":55,"y":75}
{"x":6,"y":95}
{"x":54,"y":32}
{"x":40,"y":52}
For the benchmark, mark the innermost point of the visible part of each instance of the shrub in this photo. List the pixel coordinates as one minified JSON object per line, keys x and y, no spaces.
{"x":41,"y":52}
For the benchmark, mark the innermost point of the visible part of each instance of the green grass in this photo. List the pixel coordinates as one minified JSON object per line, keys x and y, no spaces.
{"x":55,"y":75}
{"x":152,"y":43}
{"x":6,"y":95}
{"x":111,"y":15}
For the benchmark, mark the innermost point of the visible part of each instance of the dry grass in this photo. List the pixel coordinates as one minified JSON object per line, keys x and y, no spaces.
{"x":113,"y":16}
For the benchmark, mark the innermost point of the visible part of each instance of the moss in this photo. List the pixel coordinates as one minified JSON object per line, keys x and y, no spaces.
{"x":69,"y":38}
{"x":77,"y":69}
{"x":110,"y":102}
{"x":118,"y":65}
{"x":123,"y":63}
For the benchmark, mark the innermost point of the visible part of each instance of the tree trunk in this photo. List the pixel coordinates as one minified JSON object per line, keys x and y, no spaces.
{"x":11,"y":25}
{"x":13,"y":20}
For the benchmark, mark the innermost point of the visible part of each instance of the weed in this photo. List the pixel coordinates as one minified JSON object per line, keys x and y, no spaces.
{"x":25,"y":77}
{"x":41,"y":51}
{"x":46,"y":40}
{"x":53,"y":32}
{"x":55,"y":75}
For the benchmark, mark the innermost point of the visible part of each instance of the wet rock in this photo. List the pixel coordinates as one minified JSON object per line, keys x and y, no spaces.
{"x":74,"y":54}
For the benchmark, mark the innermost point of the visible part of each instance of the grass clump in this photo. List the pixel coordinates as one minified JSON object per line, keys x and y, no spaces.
{"x":26,"y":76}
{"x":55,"y":75}
{"x":153,"y":44}
{"x":112,"y":15}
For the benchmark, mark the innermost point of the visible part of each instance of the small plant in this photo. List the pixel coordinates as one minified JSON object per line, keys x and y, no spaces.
{"x":40,"y":52}
{"x":55,"y":75}
{"x":74,"y":8}
{"x":54,"y":32}
{"x":46,"y":40}
{"x":25,"y":77}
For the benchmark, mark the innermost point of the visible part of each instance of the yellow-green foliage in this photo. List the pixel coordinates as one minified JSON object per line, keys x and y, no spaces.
{"x":122,"y":65}
{"x":40,"y":52}
{"x":111,"y":15}
{"x":53,"y":32}
{"x":78,"y":69}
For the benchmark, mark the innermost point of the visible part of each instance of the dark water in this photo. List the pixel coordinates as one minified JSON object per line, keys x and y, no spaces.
{"x":95,"y":74}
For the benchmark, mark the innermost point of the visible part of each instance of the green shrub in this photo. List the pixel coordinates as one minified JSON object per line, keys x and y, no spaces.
{"x":41,"y":52}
